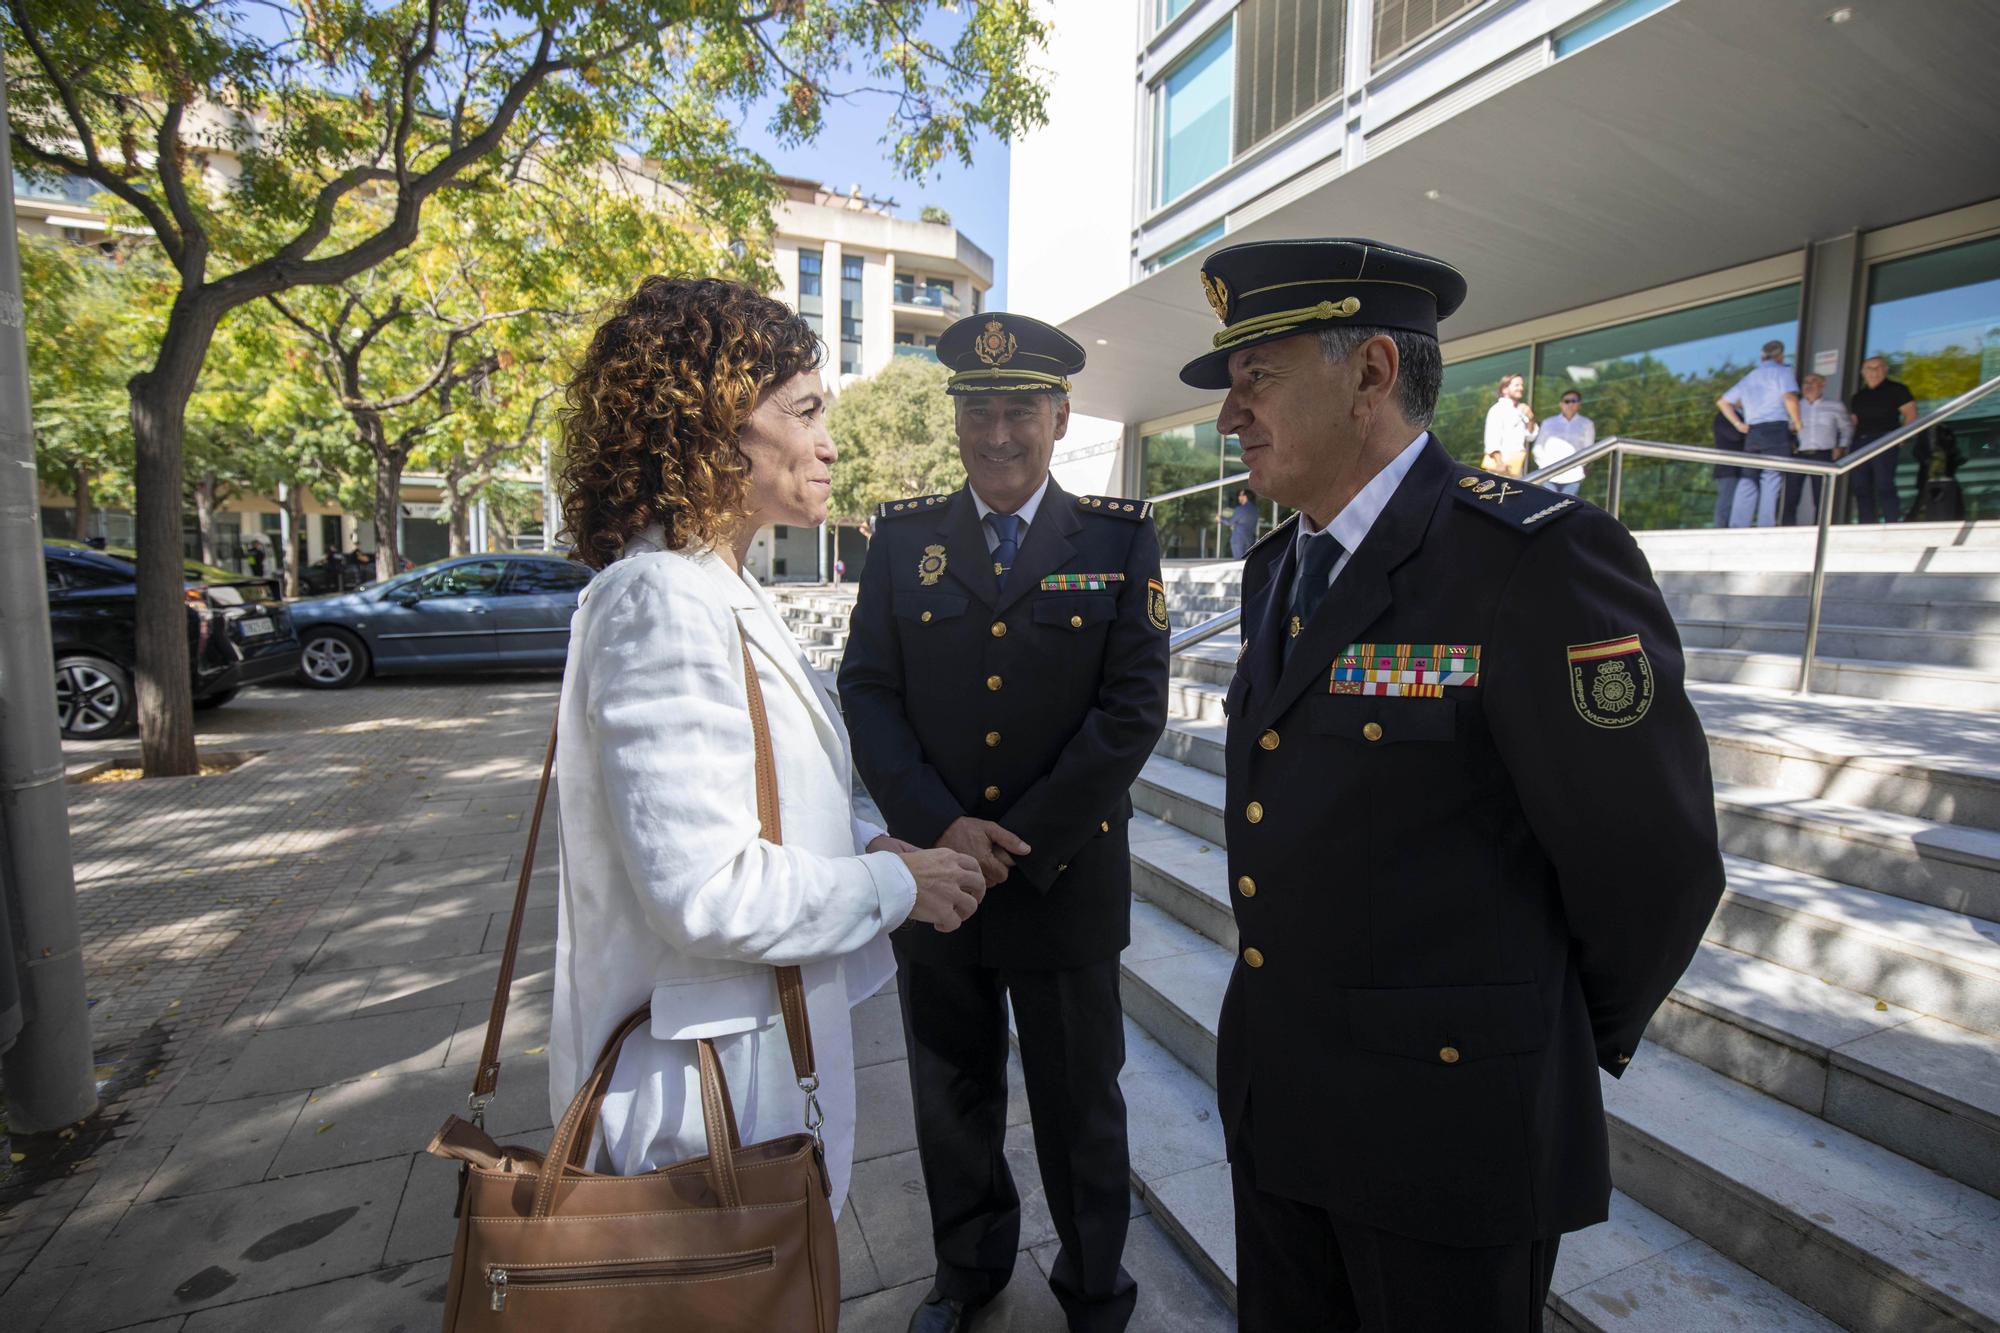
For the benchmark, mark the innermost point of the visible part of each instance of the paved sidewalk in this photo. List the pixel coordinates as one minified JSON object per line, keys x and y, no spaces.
{"x":290,"y":965}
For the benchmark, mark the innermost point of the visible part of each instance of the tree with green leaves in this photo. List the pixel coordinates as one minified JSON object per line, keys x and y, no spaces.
{"x":250,"y":137}
{"x":895,"y":437}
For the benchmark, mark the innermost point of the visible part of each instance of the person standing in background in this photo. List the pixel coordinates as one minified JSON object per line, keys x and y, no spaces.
{"x":1727,"y":478}
{"x":1878,"y":407}
{"x":1764,"y":405}
{"x":1241,"y":520}
{"x":1826,"y":430}
{"x":1560,"y":437}
{"x":1510,"y":425}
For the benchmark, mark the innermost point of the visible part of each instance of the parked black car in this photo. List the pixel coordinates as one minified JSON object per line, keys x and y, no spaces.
{"x":499,"y":611}
{"x":238,"y":634}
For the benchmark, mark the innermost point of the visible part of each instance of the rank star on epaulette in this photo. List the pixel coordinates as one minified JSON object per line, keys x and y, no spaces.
{"x":1112,"y":504}
{"x":914,"y":505}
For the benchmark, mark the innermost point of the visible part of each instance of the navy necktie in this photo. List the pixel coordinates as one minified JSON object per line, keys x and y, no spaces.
{"x":1309,"y":585}
{"x":1007,"y":530}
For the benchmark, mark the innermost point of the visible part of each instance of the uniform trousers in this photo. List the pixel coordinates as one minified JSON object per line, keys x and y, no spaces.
{"x":1072,"y":1036}
{"x":1302,"y":1269}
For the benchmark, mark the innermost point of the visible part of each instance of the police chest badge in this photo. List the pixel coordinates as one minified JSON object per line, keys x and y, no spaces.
{"x":1611,"y":683}
{"x":1156,"y":603}
{"x":931,"y":566}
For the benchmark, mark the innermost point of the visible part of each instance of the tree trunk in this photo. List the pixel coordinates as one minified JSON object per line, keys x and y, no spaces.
{"x":204,"y":516}
{"x":388,"y":504}
{"x":295,"y":557}
{"x":159,"y":421}
{"x":460,"y":523}
{"x":80,"y":483}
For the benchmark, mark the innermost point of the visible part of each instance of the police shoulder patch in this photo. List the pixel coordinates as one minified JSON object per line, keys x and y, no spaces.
{"x":914,"y":505}
{"x":1117,"y":506}
{"x":1610,"y":682}
{"x":1518,"y":504}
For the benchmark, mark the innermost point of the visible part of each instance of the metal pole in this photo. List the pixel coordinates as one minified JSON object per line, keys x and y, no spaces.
{"x":1614,"y":492}
{"x":48,"y":1066}
{"x":1818,"y":589}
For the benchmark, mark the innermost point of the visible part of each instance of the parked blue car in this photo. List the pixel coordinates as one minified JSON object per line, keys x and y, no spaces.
{"x":499,"y":611}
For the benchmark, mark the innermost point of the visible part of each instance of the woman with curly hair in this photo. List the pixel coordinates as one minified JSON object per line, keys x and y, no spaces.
{"x":696,"y":418}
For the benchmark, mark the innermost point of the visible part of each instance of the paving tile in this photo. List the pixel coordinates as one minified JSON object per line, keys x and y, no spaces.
{"x":389,"y":1300}
{"x":405,"y":869}
{"x":888,"y":1195}
{"x":461,"y":980}
{"x":228,"y":1143}
{"x":878,"y":1030}
{"x":369,"y":1118}
{"x":26,"y":1302}
{"x":527,"y":1027}
{"x":322,"y":1053}
{"x":393,"y":940}
{"x":1025,"y":1305}
{"x":883,"y":1120}
{"x":538,"y":927}
{"x":1199,"y":1203}
{"x":175,"y":1256}
{"x":319,"y":997}
{"x":857,"y":1270}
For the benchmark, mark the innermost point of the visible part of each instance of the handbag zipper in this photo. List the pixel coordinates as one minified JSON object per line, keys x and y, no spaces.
{"x":500,"y":1278}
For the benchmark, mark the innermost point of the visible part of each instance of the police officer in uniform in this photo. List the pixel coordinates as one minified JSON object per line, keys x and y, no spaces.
{"x":1471,"y":829}
{"x":1004,"y":681}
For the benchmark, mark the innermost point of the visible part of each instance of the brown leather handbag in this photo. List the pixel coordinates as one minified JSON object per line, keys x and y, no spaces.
{"x":740,"y":1239}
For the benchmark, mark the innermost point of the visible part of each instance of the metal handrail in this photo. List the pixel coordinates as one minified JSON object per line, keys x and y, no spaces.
{"x":1619,"y":446}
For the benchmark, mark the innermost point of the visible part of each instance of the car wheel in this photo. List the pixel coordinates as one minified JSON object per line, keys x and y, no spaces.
{"x":331,"y":659}
{"x":93,"y":698}
{"x":216,"y":700}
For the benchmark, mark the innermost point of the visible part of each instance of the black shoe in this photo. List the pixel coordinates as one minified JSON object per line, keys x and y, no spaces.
{"x":943,"y":1314}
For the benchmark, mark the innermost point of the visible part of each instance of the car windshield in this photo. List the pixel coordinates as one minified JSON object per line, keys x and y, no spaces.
{"x":193,"y":570}
{"x":383,"y":587}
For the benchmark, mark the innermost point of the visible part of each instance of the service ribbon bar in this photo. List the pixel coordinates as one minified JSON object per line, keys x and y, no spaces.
{"x":1417,"y":670}
{"x":1080,"y":582}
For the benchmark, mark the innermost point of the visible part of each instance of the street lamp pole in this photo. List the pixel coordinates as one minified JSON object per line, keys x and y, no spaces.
{"x":46,"y":1059}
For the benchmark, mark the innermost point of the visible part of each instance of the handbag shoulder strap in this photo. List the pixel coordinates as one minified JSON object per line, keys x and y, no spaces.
{"x":791,"y":986}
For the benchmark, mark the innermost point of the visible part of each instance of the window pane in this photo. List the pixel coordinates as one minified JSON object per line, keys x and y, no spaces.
{"x":1191,"y":527}
{"x":1658,"y":379}
{"x":1470,"y":388}
{"x":1401,"y":23}
{"x":1936,"y":319}
{"x":1288,"y":61}
{"x":850,"y":314}
{"x":540,"y":576}
{"x":1193,"y":110}
{"x":475,"y":577}
{"x":1169,"y":10}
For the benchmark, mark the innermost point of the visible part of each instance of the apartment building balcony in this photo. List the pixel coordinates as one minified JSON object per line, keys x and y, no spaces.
{"x":931,"y":305}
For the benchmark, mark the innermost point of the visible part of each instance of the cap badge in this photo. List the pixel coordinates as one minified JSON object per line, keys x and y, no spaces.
{"x":1218,"y":295}
{"x":994,"y":345}
{"x":931,"y":566}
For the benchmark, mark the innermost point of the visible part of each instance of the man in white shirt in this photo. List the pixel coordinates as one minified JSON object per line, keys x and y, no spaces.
{"x":1826,"y":430}
{"x":1510,"y":424}
{"x":1568,"y":434}
{"x":1762,"y":405}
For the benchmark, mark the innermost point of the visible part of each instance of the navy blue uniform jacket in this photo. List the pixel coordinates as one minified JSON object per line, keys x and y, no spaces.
{"x":1034,"y":707}
{"x":1456,"y":902}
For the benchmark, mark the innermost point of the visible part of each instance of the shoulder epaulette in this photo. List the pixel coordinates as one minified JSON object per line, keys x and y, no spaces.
{"x":916,"y":505}
{"x":1518,"y":504}
{"x":1112,"y":504}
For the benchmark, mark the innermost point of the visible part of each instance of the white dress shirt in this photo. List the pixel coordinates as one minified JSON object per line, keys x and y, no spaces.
{"x":1026,"y":513}
{"x":1350,"y":526}
{"x":1560,"y":437}
{"x":1760,"y":395}
{"x":1827,"y":425}
{"x":1507,"y":431}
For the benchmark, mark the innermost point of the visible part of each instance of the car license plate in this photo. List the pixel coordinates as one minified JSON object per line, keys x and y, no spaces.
{"x":251,"y":627}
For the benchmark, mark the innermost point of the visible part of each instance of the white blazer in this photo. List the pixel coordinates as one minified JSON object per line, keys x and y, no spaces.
{"x":668,"y":891}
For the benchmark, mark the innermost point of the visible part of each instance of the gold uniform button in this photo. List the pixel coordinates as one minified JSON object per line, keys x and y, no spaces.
{"x":992,"y":793}
{"x":1373,"y":731}
{"x":1253,"y":957}
{"x":992,"y":738}
{"x":1254,"y":812}
{"x":925,"y":617}
{"x":1268,"y":741}
{"x":999,"y":629}
{"x":1449,"y":1055}
{"x":1076,"y":622}
{"x":1246,"y":886}
{"x":993,"y":683}
{"x":1104,"y":826}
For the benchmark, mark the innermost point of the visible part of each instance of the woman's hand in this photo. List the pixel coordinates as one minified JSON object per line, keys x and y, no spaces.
{"x":949,"y":886}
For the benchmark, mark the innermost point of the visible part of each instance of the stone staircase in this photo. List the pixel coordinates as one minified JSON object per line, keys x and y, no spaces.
{"x":1810,"y":1139}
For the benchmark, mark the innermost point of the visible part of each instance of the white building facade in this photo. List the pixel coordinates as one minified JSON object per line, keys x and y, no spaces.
{"x":1639,"y":192}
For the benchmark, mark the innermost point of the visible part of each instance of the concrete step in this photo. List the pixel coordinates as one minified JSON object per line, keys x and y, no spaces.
{"x":1957,"y":617}
{"x":1840,"y":1223}
{"x":1971,"y":651}
{"x":1972,"y":548}
{"x":1924,"y":1087}
{"x":1885,"y":589}
{"x":1943,"y":865}
{"x":1868,"y":1238}
{"x":1942,"y":686}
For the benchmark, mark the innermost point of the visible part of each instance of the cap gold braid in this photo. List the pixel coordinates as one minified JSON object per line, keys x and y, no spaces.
{"x":1005,"y":379}
{"x":1282,"y":321}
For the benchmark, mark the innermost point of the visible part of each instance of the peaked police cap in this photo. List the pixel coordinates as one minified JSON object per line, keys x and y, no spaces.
{"x":996,"y":352}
